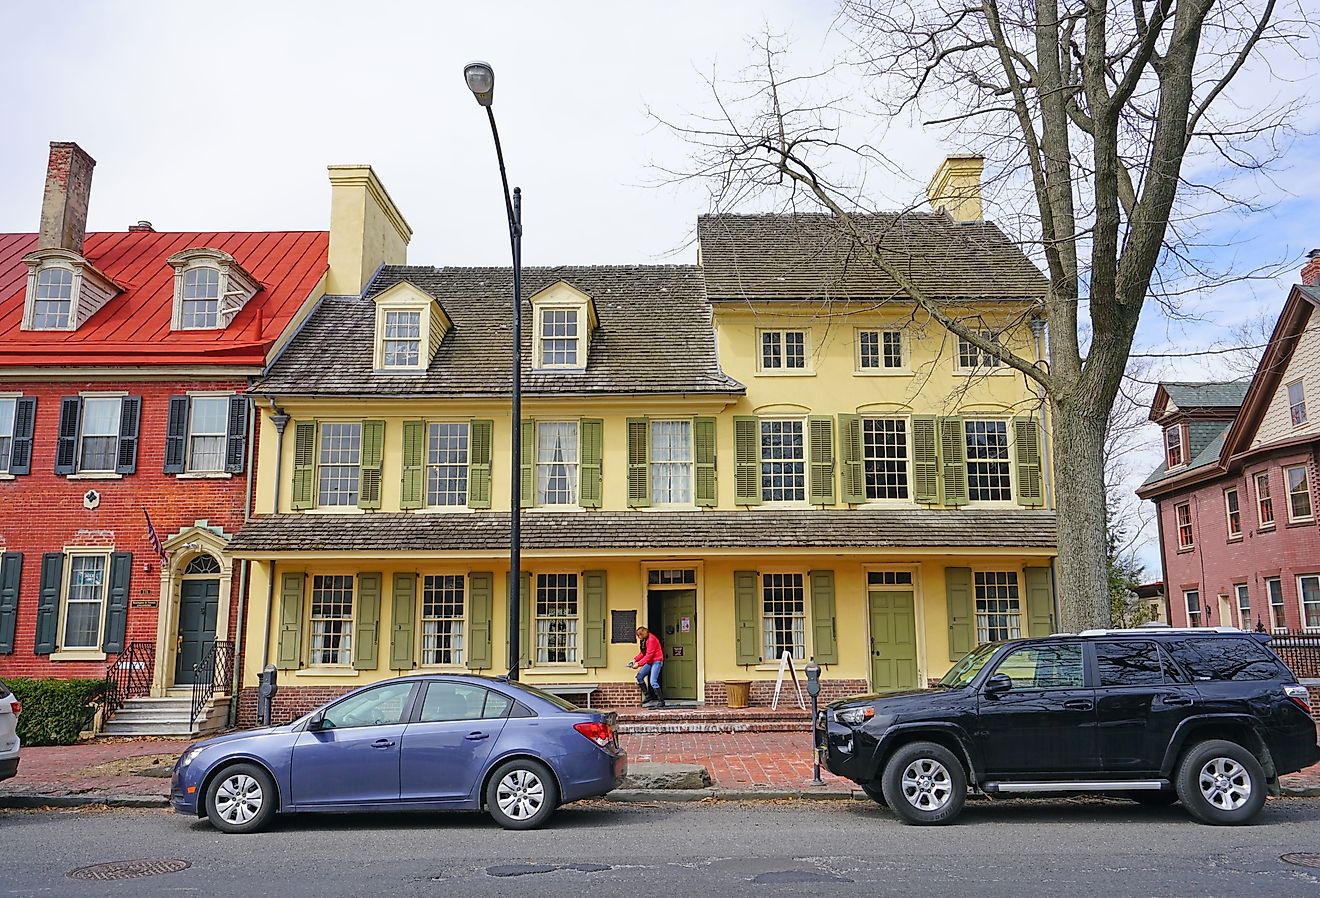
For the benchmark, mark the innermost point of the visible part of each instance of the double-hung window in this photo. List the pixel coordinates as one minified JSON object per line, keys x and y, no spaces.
{"x":331,"y":620}
{"x":1308,"y":592}
{"x":84,"y":602}
{"x":988,"y":477}
{"x":443,"y":619}
{"x":557,"y":611}
{"x":1182,"y":515}
{"x":783,"y":350}
{"x":973,"y":358}
{"x":98,"y":435}
{"x":998,"y":606}
{"x":880,"y":350}
{"x":52,"y":302}
{"x":560,"y":338}
{"x":671,"y":462}
{"x":1244,"y":605}
{"x":208,"y":433}
{"x":340,"y":467}
{"x":885,"y":458}
{"x":783,"y":615}
{"x":1232,"y":513}
{"x":556,"y":462}
{"x":1297,"y":403}
{"x":7,"y":408}
{"x":1264,"y":504}
{"x":98,"y":446}
{"x":447,"y":463}
{"x":1174,"y":456}
{"x":783,"y":460}
{"x":1278,"y":615}
{"x":403,"y":339}
{"x":1193,"y":599}
{"x":200,"y":299}
{"x":1299,"y":493}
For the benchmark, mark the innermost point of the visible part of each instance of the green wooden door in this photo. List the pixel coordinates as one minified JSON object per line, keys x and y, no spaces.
{"x":893,"y":641}
{"x":678,"y":678}
{"x":199,"y":602}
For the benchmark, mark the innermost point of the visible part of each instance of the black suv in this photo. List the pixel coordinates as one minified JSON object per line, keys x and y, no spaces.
{"x":1210,"y":717}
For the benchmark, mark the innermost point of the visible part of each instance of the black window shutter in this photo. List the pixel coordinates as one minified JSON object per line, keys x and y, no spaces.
{"x":116,"y":606}
{"x":236,"y":444}
{"x":48,"y":601}
{"x":176,"y":435}
{"x":25,"y":419}
{"x":11,"y":575}
{"x":66,"y":451}
{"x":129,"y":418}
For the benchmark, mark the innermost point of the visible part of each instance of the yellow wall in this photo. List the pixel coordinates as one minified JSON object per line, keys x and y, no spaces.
{"x":366,"y":229}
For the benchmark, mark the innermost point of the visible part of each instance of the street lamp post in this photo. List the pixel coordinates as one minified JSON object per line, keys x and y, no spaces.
{"x":480,"y":78}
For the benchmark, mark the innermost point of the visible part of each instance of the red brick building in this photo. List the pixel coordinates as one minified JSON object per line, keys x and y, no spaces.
{"x":1236,"y":496}
{"x":124,"y":361}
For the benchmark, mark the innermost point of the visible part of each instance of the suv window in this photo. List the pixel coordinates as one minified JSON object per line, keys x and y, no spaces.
{"x":1129,"y":663}
{"x":1044,"y":666}
{"x":1226,"y":658}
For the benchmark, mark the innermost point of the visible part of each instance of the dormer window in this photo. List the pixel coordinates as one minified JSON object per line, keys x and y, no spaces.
{"x":403,"y":338}
{"x":53,"y":303}
{"x":559,"y":338}
{"x":1175,"y":453}
{"x":565,"y":319}
{"x":410,"y":326}
{"x":64,"y":290}
{"x":210,"y":288}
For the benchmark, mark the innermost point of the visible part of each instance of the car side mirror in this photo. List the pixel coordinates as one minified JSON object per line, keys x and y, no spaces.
{"x":998,"y":684}
{"x":317,"y":723}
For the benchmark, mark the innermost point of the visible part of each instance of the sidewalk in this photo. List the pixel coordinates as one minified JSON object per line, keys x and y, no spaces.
{"x":135,"y":772}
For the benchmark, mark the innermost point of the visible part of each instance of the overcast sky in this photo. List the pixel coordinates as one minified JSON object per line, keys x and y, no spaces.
{"x":224,"y":116}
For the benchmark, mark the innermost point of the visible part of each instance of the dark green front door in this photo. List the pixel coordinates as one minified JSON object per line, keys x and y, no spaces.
{"x":893,"y":641}
{"x":678,"y":611}
{"x":198,"y":604}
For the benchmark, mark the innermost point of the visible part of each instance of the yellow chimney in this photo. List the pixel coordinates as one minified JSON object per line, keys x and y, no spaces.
{"x":956,"y":187}
{"x":366,"y":229}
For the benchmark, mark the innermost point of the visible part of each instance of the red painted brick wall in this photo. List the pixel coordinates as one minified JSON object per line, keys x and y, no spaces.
{"x":43,"y":512}
{"x":1215,"y":563}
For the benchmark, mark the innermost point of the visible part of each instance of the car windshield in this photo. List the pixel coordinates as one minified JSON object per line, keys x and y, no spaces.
{"x":966,"y":670}
{"x":555,"y":700}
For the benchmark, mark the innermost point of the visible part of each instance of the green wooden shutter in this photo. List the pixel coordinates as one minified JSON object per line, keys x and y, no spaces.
{"x":639,"y":462}
{"x":528,"y":482}
{"x":825,"y":644}
{"x":953,"y":460}
{"x":925,"y":459}
{"x":962,"y":631}
{"x":747,"y":460}
{"x":176,"y":435}
{"x":853,"y":478}
{"x":116,"y":605}
{"x":524,"y":620}
{"x":366,"y":622}
{"x":236,"y":433}
{"x":11,"y":575}
{"x":1040,"y":601}
{"x":25,"y":420}
{"x":820,"y":449}
{"x":704,"y":445}
{"x":481,"y":437}
{"x":66,"y":444}
{"x":591,"y":436}
{"x":401,"y":625}
{"x":593,"y":618}
{"x":373,"y":458}
{"x":1026,"y":449}
{"x":288,"y":655}
{"x":480,"y":605}
{"x":412,"y":482}
{"x":746,"y":614}
{"x":48,"y":602}
{"x":130,"y":419}
{"x":304,"y":466}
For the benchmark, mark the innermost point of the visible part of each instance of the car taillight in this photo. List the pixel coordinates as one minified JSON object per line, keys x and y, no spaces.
{"x":16,"y":707}
{"x":599,"y":733}
{"x":1301,"y":697}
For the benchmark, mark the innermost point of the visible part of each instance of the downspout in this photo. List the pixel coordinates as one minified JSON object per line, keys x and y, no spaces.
{"x":1038,"y":338}
{"x":280,"y":420}
{"x":237,"y":673}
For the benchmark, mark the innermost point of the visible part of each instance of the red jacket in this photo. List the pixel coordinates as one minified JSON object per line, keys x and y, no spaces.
{"x":651,"y":651}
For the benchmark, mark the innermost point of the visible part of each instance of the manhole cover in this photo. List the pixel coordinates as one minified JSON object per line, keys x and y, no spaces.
{"x":1302,"y":858}
{"x":129,"y":869}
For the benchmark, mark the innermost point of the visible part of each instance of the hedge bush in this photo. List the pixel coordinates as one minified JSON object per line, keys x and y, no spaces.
{"x":54,"y":711}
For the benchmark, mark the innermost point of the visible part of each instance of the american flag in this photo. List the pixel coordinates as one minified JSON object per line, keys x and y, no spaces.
{"x":154,"y":539}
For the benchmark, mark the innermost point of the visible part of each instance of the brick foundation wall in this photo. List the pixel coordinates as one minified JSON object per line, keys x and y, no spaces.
{"x":1313,"y":687}
{"x":763,"y":692}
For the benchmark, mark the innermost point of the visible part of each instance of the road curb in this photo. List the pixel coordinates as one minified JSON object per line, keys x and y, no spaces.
{"x":31,"y":800}
{"x":682,"y":795}
{"x":1300,"y":791}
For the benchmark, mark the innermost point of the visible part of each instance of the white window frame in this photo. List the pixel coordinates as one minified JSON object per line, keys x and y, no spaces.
{"x":574,"y":467}
{"x":1178,"y":525}
{"x":66,"y":588}
{"x":904,"y":366}
{"x":236,"y":286}
{"x":1278,"y":605}
{"x":1012,"y":585}
{"x":466,"y":464}
{"x":1240,"y":592}
{"x":118,"y":400}
{"x":1302,"y":602}
{"x":685,"y":468}
{"x":985,"y":362}
{"x":762,"y":460}
{"x":1193,"y":617}
{"x":75,"y":287}
{"x":583,"y":322}
{"x":1297,"y":406}
{"x":783,"y":370}
{"x":1006,"y":461}
{"x":322,"y":465}
{"x":1180,"y":431}
{"x":7,"y":457}
{"x":345,"y":649}
{"x":907,"y":461}
{"x":193,"y":399}
{"x":1230,"y":511}
{"x":1261,"y":501}
{"x":220,"y":283}
{"x":386,"y":338}
{"x":458,"y":635}
{"x":1306,"y":484}
{"x":573,"y":646}
{"x":764,"y":583}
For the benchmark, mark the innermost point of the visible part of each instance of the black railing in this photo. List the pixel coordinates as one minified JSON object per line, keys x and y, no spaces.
{"x":129,"y":676}
{"x":1300,"y":650}
{"x":212,"y":672}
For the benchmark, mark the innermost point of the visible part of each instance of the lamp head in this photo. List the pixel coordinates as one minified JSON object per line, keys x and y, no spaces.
{"x":480,"y":78}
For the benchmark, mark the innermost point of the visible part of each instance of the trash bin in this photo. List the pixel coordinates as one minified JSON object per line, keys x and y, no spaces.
{"x":740,"y":691}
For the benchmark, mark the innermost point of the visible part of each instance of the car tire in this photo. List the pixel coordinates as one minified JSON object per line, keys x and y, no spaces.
{"x":521,"y":794}
{"x":1154,"y":797}
{"x":875,"y":792}
{"x":1221,"y":783}
{"x":241,"y":799}
{"x":925,"y":784}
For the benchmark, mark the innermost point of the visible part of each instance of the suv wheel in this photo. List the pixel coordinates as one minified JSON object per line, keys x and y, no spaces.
{"x":1221,"y":783}
{"x":925,"y":784}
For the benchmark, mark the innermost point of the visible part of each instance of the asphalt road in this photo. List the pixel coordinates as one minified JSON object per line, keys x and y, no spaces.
{"x":1067,"y":847}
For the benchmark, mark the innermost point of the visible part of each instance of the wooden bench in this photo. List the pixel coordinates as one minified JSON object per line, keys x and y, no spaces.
{"x":562,"y":689}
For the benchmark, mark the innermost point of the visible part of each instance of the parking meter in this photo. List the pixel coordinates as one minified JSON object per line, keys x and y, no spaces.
{"x":266,"y":689}
{"x":813,"y":690}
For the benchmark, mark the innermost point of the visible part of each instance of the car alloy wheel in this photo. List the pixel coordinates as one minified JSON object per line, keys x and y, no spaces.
{"x":239,"y":799}
{"x":924,"y":784}
{"x":927,"y":785}
{"x":520,"y":794}
{"x":1221,"y":783}
{"x":1225,"y":784}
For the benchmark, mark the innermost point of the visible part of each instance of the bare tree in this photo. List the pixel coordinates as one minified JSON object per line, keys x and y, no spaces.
{"x":1086,"y":112}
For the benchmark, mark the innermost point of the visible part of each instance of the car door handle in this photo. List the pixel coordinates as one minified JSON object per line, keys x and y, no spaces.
{"x":1079,"y":704}
{"x":383,"y":743}
{"x":1175,"y":700}
{"x":476,"y":737}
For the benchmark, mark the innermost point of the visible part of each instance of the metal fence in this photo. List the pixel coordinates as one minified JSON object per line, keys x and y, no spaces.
{"x":1300,"y":650}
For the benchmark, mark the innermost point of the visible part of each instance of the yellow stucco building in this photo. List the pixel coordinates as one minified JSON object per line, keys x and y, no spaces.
{"x":767,"y":452}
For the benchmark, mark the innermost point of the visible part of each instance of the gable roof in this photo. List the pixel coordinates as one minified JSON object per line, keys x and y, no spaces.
{"x":807,"y":257}
{"x":133,"y":327}
{"x":1186,"y":396}
{"x":654,"y":337}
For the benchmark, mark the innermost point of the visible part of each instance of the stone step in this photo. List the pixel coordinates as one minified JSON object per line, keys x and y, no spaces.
{"x":165,"y":717}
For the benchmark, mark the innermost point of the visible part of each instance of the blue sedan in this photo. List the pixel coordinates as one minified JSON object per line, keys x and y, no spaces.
{"x":462,"y":743}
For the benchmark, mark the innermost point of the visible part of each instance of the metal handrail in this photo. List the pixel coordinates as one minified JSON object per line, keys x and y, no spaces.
{"x":129,"y":676}
{"x":212,"y":671}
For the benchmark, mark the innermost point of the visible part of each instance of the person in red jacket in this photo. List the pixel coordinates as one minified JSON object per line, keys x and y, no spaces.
{"x":648,"y":663}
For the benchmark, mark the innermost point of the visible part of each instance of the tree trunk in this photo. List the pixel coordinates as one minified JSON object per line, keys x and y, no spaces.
{"x":1079,"y":450}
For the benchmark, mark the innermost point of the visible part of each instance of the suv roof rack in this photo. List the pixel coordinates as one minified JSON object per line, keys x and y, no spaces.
{"x":1147,"y":631}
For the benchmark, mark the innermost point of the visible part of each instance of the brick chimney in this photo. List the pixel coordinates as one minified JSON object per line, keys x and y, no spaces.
{"x":64,"y":204}
{"x":1311,"y":270}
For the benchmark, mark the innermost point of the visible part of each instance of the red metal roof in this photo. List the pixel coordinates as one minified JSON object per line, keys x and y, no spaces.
{"x":133,"y":327}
